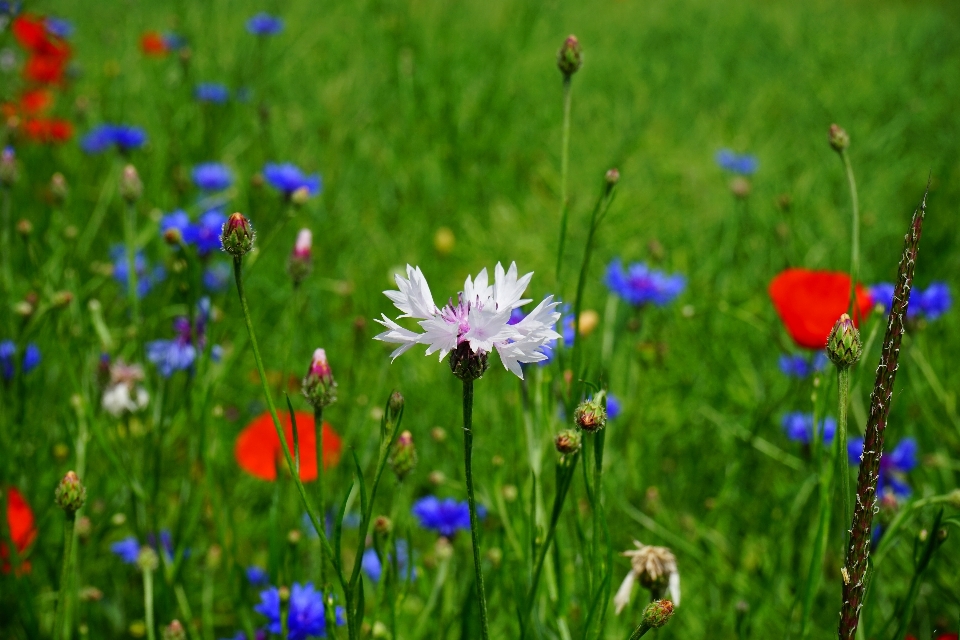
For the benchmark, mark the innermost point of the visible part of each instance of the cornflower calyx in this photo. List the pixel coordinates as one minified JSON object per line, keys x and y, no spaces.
{"x":467,"y":365}
{"x":569,"y":57}
{"x":590,"y":415}
{"x":838,"y":137}
{"x":319,"y":387}
{"x":237,"y":235}
{"x":657,"y":614}
{"x":568,"y":441}
{"x":403,"y":459}
{"x":70,"y":494}
{"x":843,"y":344}
{"x":131,"y":187}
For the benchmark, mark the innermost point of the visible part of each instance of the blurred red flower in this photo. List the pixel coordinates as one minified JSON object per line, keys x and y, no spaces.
{"x":152,"y":44}
{"x":810,"y":302}
{"x":48,"y":130}
{"x":36,"y":101}
{"x":22,"y":531}
{"x":258,"y":450}
{"x":48,"y":54}
{"x":946,"y":636}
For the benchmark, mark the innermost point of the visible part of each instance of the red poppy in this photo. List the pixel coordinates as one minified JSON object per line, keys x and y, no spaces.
{"x":48,"y":54}
{"x":30,"y":32}
{"x":258,"y":449}
{"x":48,"y":130}
{"x":152,"y":44}
{"x":22,"y":531}
{"x":36,"y":101}
{"x":45,"y":69}
{"x":810,"y":302}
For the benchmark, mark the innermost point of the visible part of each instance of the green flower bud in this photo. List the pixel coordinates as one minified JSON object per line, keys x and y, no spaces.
{"x":657,"y":614}
{"x":843,"y":345}
{"x":590,"y":415}
{"x":70,"y":493}
{"x":568,"y":441}
{"x":319,"y":387}
{"x":403,"y":459}
{"x":58,"y":188}
{"x":147,"y":559}
{"x":569,"y":57}
{"x":174,"y":631}
{"x":131,"y":187}
{"x":237,"y":235}
{"x":839,"y":138}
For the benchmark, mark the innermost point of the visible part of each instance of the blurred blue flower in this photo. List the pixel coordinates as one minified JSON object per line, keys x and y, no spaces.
{"x":799,"y":427}
{"x":305,"y":614}
{"x":173,"y":41}
{"x":146,"y":277}
{"x":31,"y":358}
{"x":127,"y":549}
{"x":374,"y":569}
{"x":744,"y":164}
{"x":10,"y":9}
{"x":640,"y":285}
{"x":216,"y":277}
{"x":206,"y":233}
{"x":257,"y":576}
{"x":178,"y":220}
{"x":613,"y":406}
{"x":264,"y":24}
{"x":7,"y":350}
{"x":212,"y":176}
{"x":797,"y":365}
{"x":930,"y":303}
{"x":211,"y":92}
{"x":902,"y":459}
{"x":287,"y":177}
{"x":173,"y":355}
{"x":102,"y":137}
{"x":58,"y":27}
{"x":444,"y":516}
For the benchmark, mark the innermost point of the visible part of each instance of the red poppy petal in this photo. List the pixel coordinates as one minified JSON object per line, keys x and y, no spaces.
{"x":258,"y":450}
{"x":810,"y":302}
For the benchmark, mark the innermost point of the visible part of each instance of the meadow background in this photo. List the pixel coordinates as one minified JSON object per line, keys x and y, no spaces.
{"x":424,"y":114}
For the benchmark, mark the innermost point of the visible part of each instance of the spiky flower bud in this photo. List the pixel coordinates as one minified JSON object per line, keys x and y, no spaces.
{"x":568,"y":441}
{"x":131,"y":187}
{"x":147,"y":559}
{"x":403,"y":460}
{"x":590,"y":415}
{"x":395,"y":403}
{"x":839,"y":138}
{"x":237,"y":235}
{"x":174,"y":631}
{"x":300,"y":260}
{"x":657,"y":614}
{"x":466,"y":364}
{"x":843,"y":345}
{"x":58,"y":188}
{"x":569,"y":57}
{"x":70,"y":493}
{"x":319,"y":387}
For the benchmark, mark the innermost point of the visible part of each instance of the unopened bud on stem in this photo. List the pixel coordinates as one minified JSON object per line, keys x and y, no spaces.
{"x":568,"y":441}
{"x":590,"y":415}
{"x":839,"y":138}
{"x":319,"y":387}
{"x":70,"y":494}
{"x":403,"y":460}
{"x":237,"y":235}
{"x":843,"y":345}
{"x":131,"y":187}
{"x":300,"y":260}
{"x":657,"y":614}
{"x":569,"y":57}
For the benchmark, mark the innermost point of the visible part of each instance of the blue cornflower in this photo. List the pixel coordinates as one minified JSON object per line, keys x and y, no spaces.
{"x":146,"y":277}
{"x":10,"y":9}
{"x":640,"y":285}
{"x":444,"y":516}
{"x":128,"y":137}
{"x":374,"y":569}
{"x":799,"y":427}
{"x":264,"y":24}
{"x":173,"y":41}
{"x":31,"y":358}
{"x":796,"y":365}
{"x":127,"y":549}
{"x":893,"y":465}
{"x":287,"y":177}
{"x":176,"y":354}
{"x":102,"y":137}
{"x":211,"y":92}
{"x":205,"y":234}
{"x":305,"y":614}
{"x":257,"y":576}
{"x":930,"y":304}
{"x":613,"y":406}
{"x":58,"y":27}
{"x":216,"y":277}
{"x":212,"y":176}
{"x":7,"y":350}
{"x":744,"y":164}
{"x":176,"y":220}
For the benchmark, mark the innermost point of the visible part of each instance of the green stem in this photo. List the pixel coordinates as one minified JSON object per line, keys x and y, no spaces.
{"x":640,"y":631}
{"x":130,"y":236}
{"x":471,"y":501}
{"x":62,"y":596}
{"x":854,"y":235}
{"x":321,"y":498}
{"x":5,"y":243}
{"x":564,"y":170}
{"x":148,"y":603}
{"x":843,"y":393}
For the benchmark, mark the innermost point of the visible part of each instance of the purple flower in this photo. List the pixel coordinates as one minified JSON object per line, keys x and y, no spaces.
{"x":58,"y":27}
{"x":212,"y":176}
{"x":257,"y":576}
{"x":31,"y":358}
{"x":124,"y":137}
{"x":127,"y":549}
{"x":264,"y":24}
{"x":640,"y":285}
{"x":901,"y":460}
{"x":374,"y":569}
{"x":216,"y":277}
{"x":930,"y":304}
{"x":744,"y":164}
{"x":796,"y":365}
{"x":7,"y":350}
{"x":146,"y":277}
{"x":799,"y":427}
{"x":444,"y":516}
{"x":211,"y":92}
{"x":305,"y":615}
{"x":287,"y":177}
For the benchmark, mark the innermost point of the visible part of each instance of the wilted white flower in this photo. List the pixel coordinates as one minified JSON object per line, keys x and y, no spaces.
{"x":121,"y":397}
{"x":655,"y":568}
{"x":480,"y":317}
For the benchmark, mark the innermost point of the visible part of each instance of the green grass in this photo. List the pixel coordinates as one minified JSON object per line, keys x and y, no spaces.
{"x":425,"y":114}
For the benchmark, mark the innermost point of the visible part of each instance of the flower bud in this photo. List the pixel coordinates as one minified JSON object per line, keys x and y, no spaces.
{"x":589,"y":320}
{"x":58,"y":188}
{"x":443,"y":549}
{"x":172,"y":236}
{"x":568,"y":441}
{"x":300,"y":260}
{"x":403,"y":460}
{"x":90,"y":594}
{"x":843,"y":345}
{"x":237,"y":235}
{"x":657,"y":614}
{"x":569,"y":57}
{"x":382,"y":525}
{"x":294,"y":536}
{"x":612,"y":176}
{"x":954,"y":498}
{"x":395,"y":403}
{"x":8,"y":167}
{"x":299,"y":196}
{"x":24,"y":227}
{"x":70,"y":493}
{"x":61,"y":299}
{"x":174,"y":631}
{"x":131,"y":188}
{"x":319,"y":387}
{"x":147,"y":559}
{"x":590,"y":415}
{"x":84,"y":528}
{"x":284,"y":594}
{"x":839,"y":138}
{"x":740,"y":187}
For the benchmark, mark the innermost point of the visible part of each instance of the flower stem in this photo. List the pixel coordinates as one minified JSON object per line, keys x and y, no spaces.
{"x":148,"y":602}
{"x":65,"y":575}
{"x":854,"y":235}
{"x":564,"y":170}
{"x":5,"y":243}
{"x":130,"y":236}
{"x":843,"y":393}
{"x":640,"y":631}
{"x":471,"y":501}
{"x":321,"y":498}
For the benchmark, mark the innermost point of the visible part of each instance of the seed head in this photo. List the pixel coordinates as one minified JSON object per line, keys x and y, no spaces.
{"x":843,"y":345}
{"x":654,"y":568}
{"x":237,"y":235}
{"x":569,"y":57}
{"x":839,"y":138}
{"x":70,"y":494}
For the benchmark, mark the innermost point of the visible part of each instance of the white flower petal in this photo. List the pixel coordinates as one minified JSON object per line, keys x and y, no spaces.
{"x":414,"y":298}
{"x":507,"y":289}
{"x":439,"y":335}
{"x":539,"y":323}
{"x":477,"y":289}
{"x":674,"y":586}
{"x":397,"y":335}
{"x":488,"y":327}
{"x":622,"y":599}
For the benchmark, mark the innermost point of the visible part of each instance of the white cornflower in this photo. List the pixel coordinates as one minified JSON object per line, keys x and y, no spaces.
{"x":121,"y":397}
{"x":480,"y":318}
